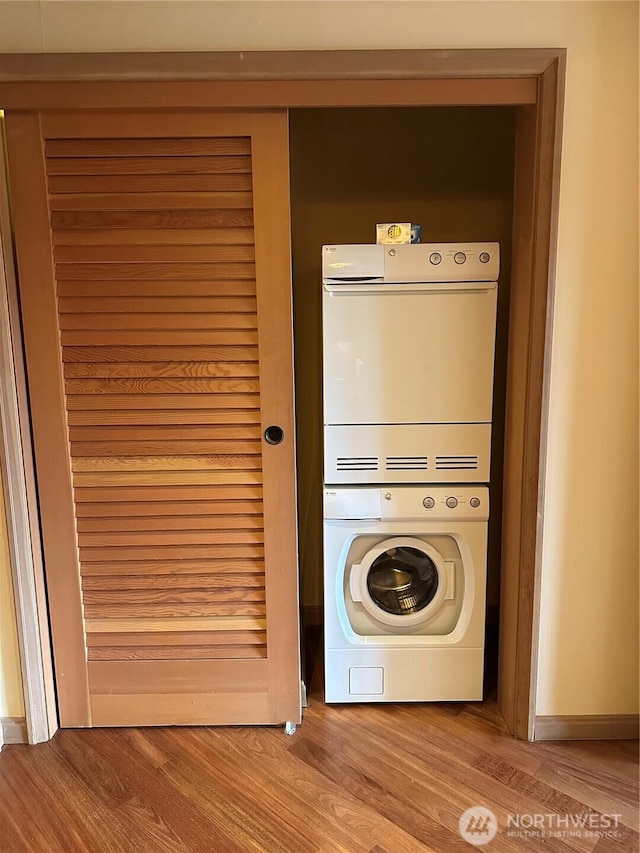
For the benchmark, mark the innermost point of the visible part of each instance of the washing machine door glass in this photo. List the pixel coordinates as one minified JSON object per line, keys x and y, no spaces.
{"x":402,"y":580}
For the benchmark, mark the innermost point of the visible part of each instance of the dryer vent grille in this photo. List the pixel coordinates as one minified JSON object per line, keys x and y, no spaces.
{"x":407,"y":463}
{"x":456,"y":463}
{"x":357,"y":463}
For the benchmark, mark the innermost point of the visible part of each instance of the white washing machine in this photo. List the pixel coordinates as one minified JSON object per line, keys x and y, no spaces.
{"x":408,"y":357}
{"x":404,"y":592}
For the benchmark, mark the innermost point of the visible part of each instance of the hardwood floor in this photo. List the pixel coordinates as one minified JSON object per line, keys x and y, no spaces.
{"x":353,"y":779}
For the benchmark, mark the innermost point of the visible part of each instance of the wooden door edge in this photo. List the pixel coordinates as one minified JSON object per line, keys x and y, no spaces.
{"x":37,"y":295}
{"x":552,"y":89}
{"x":21,"y":511}
{"x":520,"y":609}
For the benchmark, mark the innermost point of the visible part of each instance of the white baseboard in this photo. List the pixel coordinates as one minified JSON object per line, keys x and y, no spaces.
{"x":587,"y":727}
{"x":14,"y":730}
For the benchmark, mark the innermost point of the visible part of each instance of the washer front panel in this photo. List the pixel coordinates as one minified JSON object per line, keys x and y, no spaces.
{"x":357,"y":519}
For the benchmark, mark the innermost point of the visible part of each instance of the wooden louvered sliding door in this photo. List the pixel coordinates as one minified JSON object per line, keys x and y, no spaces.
{"x":154,"y":266}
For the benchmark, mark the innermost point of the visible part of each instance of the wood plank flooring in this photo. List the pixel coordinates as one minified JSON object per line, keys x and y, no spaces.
{"x":353,"y":779}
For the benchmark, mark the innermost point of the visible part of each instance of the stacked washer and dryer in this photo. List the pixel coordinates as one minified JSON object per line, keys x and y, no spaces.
{"x":408,"y":363}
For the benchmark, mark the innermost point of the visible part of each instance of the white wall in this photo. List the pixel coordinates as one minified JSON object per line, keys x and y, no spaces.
{"x":589,"y":624}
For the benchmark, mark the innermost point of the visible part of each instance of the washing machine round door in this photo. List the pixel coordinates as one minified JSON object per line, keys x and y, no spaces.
{"x":400,"y":581}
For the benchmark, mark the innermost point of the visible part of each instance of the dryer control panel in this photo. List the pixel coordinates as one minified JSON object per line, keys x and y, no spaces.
{"x":363,"y":263}
{"x":407,"y":502}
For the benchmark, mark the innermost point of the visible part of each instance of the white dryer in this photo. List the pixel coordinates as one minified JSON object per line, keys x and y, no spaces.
{"x":408,"y":356}
{"x":405,"y":578}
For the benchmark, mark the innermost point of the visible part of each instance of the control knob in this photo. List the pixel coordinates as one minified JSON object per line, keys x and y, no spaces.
{"x":452,"y":502}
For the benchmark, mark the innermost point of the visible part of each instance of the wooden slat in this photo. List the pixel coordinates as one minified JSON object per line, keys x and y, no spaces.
{"x":174,"y":626}
{"x":142,"y":385}
{"x":150,"y":201}
{"x":181,"y":456}
{"x":113,"y":304}
{"x":179,"y":582}
{"x":148,"y":183}
{"x":213,"y":595}
{"x":166,"y":478}
{"x":128,"y":433}
{"x":157,"y":305}
{"x":162,"y":271}
{"x":162,"y":401}
{"x":162,"y":566}
{"x":152,"y":236}
{"x":213,"y":287}
{"x":131,"y":539}
{"x":178,"y":146}
{"x":166,"y":610}
{"x":148,"y":165}
{"x":185,"y":494}
{"x":125,"y":254}
{"x":184,"y":637}
{"x":174,"y":322}
{"x":167,"y":218}
{"x":167,"y":447}
{"x":160,"y":354}
{"x":169,"y":252}
{"x":161,"y":603}
{"x":102,"y":370}
{"x":177,"y":652}
{"x":190,"y":509}
{"x":170,"y":553}
{"x":187,"y":337}
{"x":101,"y":524}
{"x":165,"y":463}
{"x":164,"y":417}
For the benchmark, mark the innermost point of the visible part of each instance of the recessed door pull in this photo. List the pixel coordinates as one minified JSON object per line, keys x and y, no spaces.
{"x":274,"y":434}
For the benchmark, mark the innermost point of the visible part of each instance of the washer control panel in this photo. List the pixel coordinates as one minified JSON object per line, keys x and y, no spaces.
{"x":437,"y":262}
{"x":437,"y":501}
{"x":407,"y":502}
{"x":462,"y":500}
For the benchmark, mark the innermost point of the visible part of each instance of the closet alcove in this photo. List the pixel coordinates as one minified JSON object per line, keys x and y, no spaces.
{"x":449,"y":169}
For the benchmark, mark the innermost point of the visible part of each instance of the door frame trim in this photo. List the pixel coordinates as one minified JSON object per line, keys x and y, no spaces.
{"x":530,"y":79}
{"x":407,"y":64}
